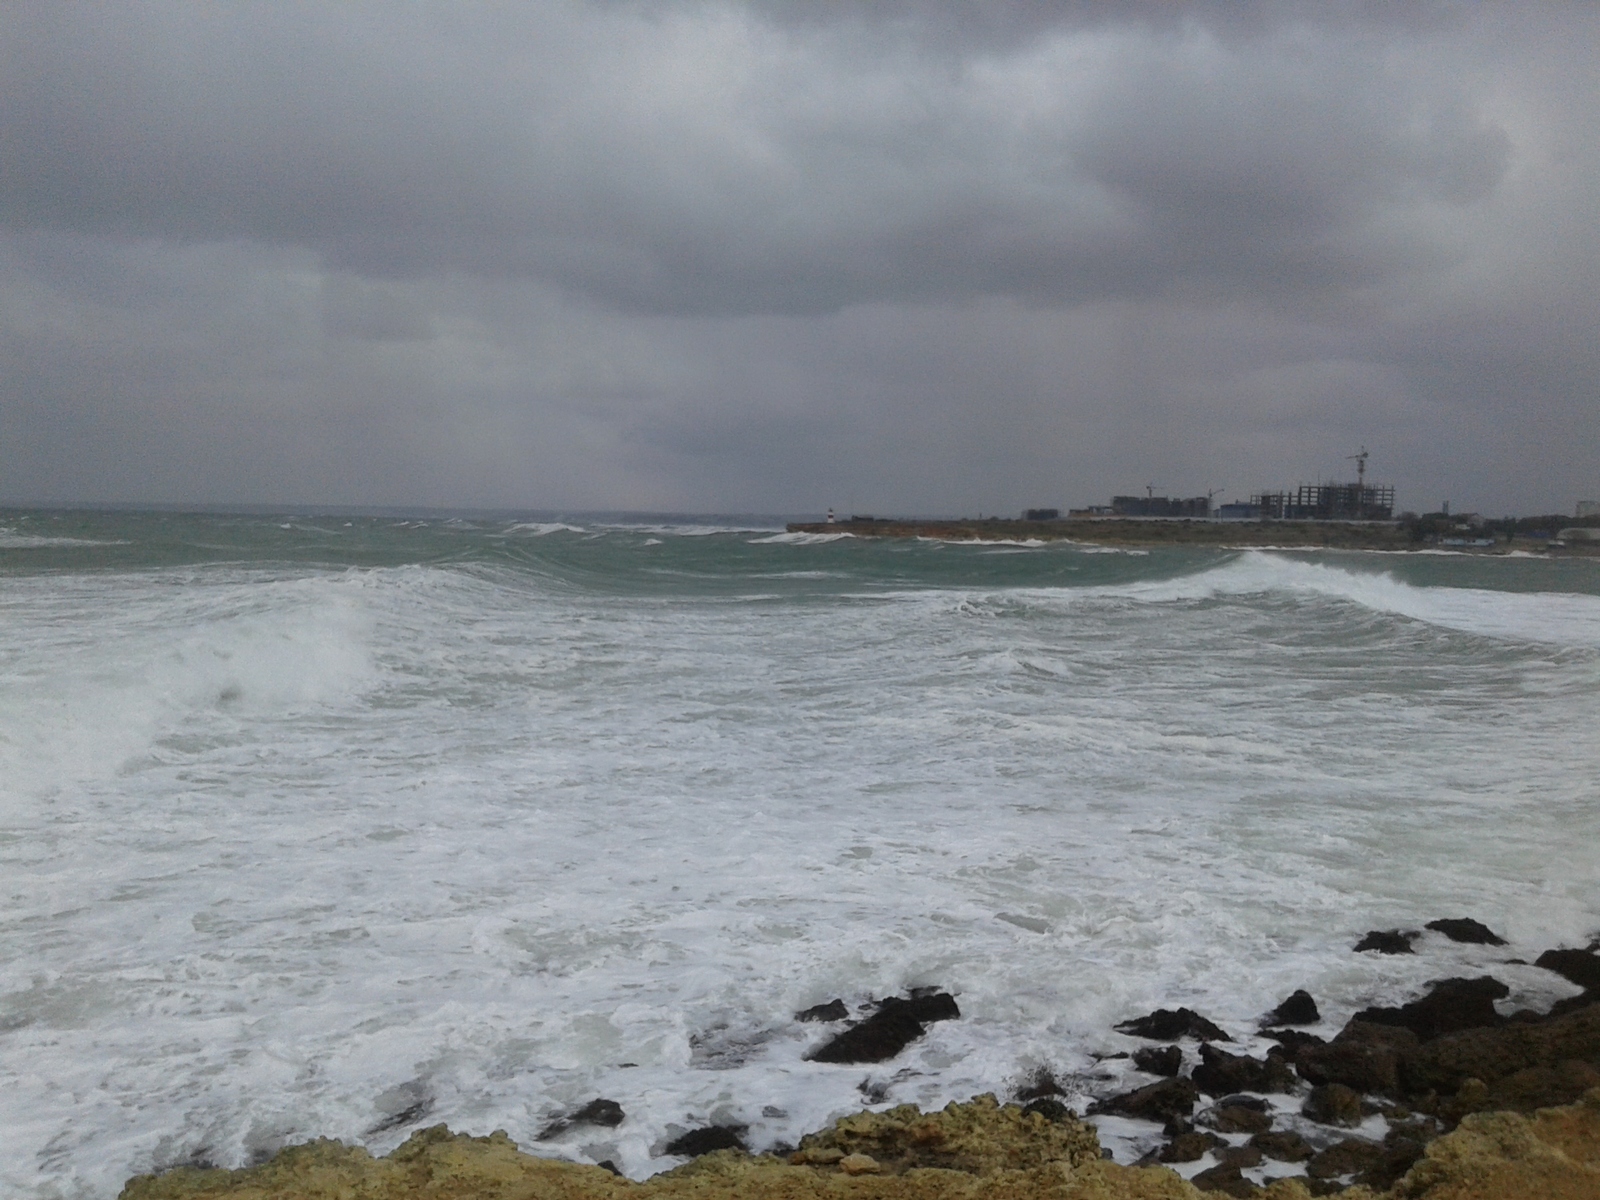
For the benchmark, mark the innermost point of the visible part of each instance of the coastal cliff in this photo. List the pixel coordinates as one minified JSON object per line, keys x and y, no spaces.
{"x":980,"y":1149}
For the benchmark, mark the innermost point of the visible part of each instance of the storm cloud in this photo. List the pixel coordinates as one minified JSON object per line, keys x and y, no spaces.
{"x":901,"y":256}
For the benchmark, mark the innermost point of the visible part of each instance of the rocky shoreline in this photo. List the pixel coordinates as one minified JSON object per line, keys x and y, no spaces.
{"x":1442,"y":1096}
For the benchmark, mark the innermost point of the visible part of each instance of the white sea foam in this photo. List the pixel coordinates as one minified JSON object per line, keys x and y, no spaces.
{"x":799,"y":539}
{"x":288,"y":853}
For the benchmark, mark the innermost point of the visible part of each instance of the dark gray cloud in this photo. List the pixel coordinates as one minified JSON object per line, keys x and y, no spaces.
{"x":692,"y":255}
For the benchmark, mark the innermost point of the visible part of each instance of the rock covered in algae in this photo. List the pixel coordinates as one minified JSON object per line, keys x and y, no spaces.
{"x":975,"y":1151}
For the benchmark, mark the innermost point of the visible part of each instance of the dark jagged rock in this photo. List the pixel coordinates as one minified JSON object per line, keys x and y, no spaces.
{"x":1465,"y":929}
{"x":1333,"y":1104}
{"x":1158,"y":1102}
{"x":1220,"y":1073}
{"x":1235,"y":1118}
{"x":607,"y":1113}
{"x":926,"y":1005}
{"x":703,"y":1141}
{"x":1365,"y":1057}
{"x":1572,"y":1004}
{"x":1293,"y":1041}
{"x":1445,"y":1063}
{"x":895,"y":1025}
{"x":1388,"y":941}
{"x":1050,"y":1109}
{"x":1254,"y":1103}
{"x":1165,"y":1060}
{"x":1344,"y":1158}
{"x":1188,"y":1147}
{"x":1543,"y":1087}
{"x":1579,"y":966}
{"x":1298,"y":1009}
{"x":1450,"y":1006}
{"x":833,"y":1010}
{"x":1041,"y":1083}
{"x":1224,"y":1178}
{"x":605,"y":1164}
{"x":1240,"y":1156}
{"x":1283,"y":1146}
{"x":1395,"y":1157}
{"x":1169,"y":1024}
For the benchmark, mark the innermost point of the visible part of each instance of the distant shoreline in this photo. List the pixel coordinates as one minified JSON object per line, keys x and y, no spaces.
{"x":1122,"y":531}
{"x":1391,"y":536}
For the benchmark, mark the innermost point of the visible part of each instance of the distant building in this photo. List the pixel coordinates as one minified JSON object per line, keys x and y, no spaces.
{"x":1160,"y":506}
{"x":1328,"y":502}
{"x":1042,"y":514}
{"x":1239,"y":511}
{"x":1094,"y":510}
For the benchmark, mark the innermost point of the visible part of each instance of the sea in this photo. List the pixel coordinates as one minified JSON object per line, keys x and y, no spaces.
{"x":340,"y":825}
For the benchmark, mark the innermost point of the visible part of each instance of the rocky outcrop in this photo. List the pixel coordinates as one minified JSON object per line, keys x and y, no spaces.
{"x":1491,"y":1056}
{"x":894,"y":1026}
{"x":975,"y":1151}
{"x":1465,"y":929}
{"x":602,"y":1112}
{"x":1364,"y":1056}
{"x":1577,"y":966}
{"x":1221,"y":1073}
{"x":1450,"y":1006}
{"x":1298,"y":1009}
{"x":1388,"y":941}
{"x":1169,"y":1024}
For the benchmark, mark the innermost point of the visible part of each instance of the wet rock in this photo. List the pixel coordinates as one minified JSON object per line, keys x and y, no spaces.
{"x":1344,"y":1158}
{"x":1450,"y":1006}
{"x":1445,"y":1063}
{"x":1365,"y":1057}
{"x":1534,"y":1088}
{"x":1050,"y":1109}
{"x":1239,"y":1156}
{"x":1333,"y":1104}
{"x":1166,"y":1060}
{"x":833,"y":1010}
{"x":1293,"y":1041}
{"x":1465,"y":929}
{"x":1573,"y":1003}
{"x":1283,"y":1146}
{"x":1579,"y":966}
{"x":607,"y":1113}
{"x":895,"y":1025}
{"x":1041,"y":1083}
{"x":1220,"y":1073}
{"x":605,"y":1164}
{"x":1224,"y":1178}
{"x":1169,"y":1024}
{"x":1388,"y":941}
{"x":703,"y":1141}
{"x":1188,"y":1147}
{"x":1235,"y":1118}
{"x":1298,"y":1009}
{"x":1158,"y":1102}
{"x":1395,"y":1157}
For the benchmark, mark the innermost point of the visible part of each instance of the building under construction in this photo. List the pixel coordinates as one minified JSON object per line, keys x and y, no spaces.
{"x":1327,"y":502}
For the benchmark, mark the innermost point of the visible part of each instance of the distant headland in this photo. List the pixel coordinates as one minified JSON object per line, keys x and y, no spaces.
{"x":1554,"y":535}
{"x":1355,"y":515}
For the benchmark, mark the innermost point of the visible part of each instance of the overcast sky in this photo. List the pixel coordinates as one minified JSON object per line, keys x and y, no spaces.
{"x":886,"y":256}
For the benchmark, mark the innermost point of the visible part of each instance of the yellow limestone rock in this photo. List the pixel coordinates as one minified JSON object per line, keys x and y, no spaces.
{"x":976,"y":1151}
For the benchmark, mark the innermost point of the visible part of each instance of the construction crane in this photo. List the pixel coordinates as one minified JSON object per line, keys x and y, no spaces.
{"x":1361,"y":467}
